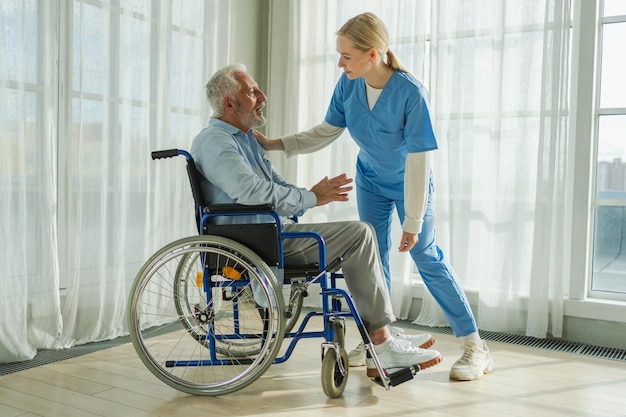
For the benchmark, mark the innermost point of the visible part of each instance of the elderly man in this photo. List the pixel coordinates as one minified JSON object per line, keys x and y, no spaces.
{"x":236,"y":171}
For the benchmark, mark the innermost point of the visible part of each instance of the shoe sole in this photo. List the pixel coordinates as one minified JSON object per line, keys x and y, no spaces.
{"x":456,"y":377}
{"x":373,"y":372}
{"x":427,"y":343}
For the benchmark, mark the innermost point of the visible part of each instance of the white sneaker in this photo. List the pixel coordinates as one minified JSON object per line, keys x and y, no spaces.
{"x":473,"y":364}
{"x":356,"y":357}
{"x":402,"y":354}
{"x":422,"y":340}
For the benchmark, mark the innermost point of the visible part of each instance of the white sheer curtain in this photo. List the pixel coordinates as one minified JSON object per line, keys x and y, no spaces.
{"x":29,"y":274}
{"x":499,"y":88}
{"x":82,"y":204}
{"x":497,"y":75}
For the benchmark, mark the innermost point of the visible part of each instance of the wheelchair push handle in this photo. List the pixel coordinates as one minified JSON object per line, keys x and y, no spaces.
{"x":170,"y":153}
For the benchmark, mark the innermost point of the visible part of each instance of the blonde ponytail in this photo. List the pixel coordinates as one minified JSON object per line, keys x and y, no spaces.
{"x":394,"y":62}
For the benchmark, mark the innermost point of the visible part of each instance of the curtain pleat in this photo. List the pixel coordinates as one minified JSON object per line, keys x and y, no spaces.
{"x":550,"y":258}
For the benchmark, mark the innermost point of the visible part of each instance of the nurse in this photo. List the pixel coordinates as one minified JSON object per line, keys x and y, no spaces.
{"x":386,"y":112}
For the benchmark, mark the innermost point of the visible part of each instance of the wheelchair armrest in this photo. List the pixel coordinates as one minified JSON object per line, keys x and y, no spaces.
{"x":238,"y":208}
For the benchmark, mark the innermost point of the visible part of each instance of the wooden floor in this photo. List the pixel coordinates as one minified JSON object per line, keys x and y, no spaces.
{"x":527,"y":382}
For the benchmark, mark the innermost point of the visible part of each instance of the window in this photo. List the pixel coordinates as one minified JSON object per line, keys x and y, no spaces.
{"x":609,"y":201}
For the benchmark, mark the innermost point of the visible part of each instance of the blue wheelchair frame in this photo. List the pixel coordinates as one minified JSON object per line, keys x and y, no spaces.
{"x":331,"y":296}
{"x":329,"y":308}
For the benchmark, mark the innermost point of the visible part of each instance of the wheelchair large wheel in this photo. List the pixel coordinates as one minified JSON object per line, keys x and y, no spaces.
{"x":192,"y":339}
{"x":293,"y":295}
{"x":189,"y":295}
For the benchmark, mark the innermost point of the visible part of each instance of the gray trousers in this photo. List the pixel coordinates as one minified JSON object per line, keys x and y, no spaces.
{"x":361,"y":267}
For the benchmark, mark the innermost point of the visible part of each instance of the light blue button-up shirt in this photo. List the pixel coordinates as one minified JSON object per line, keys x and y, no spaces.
{"x":236,"y":171}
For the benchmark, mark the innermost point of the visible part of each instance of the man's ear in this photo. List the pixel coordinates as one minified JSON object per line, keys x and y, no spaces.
{"x":227,"y":102}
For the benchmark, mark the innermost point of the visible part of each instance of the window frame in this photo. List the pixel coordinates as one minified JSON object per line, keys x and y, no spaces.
{"x":584,"y":127}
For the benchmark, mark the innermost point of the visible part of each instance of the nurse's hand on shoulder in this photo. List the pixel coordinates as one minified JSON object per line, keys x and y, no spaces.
{"x":332,"y":189}
{"x":407,"y":242}
{"x":267,"y":143}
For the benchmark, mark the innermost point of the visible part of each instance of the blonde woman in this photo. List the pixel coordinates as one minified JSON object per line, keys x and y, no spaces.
{"x":386,"y":112}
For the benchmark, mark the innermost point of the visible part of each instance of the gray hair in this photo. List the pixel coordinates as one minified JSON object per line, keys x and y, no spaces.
{"x":223,"y":84}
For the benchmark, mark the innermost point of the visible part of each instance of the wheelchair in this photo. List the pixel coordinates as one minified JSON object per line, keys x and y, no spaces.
{"x":208,"y":315}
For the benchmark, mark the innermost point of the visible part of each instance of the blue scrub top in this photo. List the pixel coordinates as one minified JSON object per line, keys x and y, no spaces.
{"x":399,"y":123}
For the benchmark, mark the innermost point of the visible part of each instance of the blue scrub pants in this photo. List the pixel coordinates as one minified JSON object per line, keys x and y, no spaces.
{"x":436,"y":271}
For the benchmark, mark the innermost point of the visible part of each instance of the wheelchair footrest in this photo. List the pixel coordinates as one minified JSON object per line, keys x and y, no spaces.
{"x":397,"y":376}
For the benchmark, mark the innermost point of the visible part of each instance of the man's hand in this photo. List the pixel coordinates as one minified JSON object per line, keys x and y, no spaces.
{"x":408,"y":241}
{"x":333,"y":189}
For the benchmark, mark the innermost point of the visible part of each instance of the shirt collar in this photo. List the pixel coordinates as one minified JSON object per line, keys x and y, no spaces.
{"x":226,"y":126}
